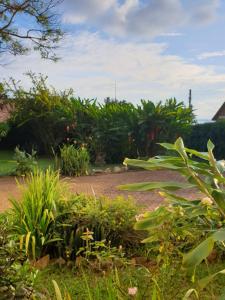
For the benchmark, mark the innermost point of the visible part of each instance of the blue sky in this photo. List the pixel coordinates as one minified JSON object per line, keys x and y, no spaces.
{"x":153,"y":49}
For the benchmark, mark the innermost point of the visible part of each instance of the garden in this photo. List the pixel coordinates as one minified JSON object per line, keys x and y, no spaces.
{"x":107,"y":201}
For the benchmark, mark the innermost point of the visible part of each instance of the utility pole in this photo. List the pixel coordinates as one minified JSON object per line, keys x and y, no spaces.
{"x":190,"y":98}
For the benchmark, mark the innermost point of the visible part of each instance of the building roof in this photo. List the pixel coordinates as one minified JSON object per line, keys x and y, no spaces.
{"x":220,"y":113}
{"x":5,"y":111}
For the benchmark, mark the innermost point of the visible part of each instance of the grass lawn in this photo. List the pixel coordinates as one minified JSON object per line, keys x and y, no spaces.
{"x":172,"y":283}
{"x":8,"y":164}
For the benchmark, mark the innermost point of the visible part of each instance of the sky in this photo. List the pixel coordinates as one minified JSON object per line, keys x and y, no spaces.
{"x":152,"y":49}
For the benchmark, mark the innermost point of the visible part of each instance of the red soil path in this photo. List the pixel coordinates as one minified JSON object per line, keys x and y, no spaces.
{"x":105,"y":184}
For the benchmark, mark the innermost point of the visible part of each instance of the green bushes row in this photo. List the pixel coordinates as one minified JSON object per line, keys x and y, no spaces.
{"x":201,"y":133}
{"x":44,"y":119}
{"x":49,"y":220}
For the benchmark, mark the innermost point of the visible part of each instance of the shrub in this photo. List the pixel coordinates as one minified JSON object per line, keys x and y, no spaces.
{"x":200,"y":218}
{"x":74,"y":162}
{"x":15,"y":279}
{"x":111,"y":220}
{"x":25,"y":162}
{"x":48,"y":220}
{"x":35,"y":215}
{"x":201,"y":133}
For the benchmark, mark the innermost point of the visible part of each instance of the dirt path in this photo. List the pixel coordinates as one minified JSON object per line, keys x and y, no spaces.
{"x":104,"y":184}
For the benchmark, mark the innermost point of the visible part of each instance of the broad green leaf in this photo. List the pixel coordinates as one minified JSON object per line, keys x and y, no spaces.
{"x":210,"y":145}
{"x":206,"y":280}
{"x":167,"y":146}
{"x":219,"y":198}
{"x":202,"y":155}
{"x":179,"y":144}
{"x":149,"y":186}
{"x":219,"y":236}
{"x":153,"y":219}
{"x":198,"y":254}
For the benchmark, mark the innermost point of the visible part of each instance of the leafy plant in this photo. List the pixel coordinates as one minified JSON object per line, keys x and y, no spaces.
{"x":203,"y":173}
{"x":25,"y":162}
{"x":34,"y":216}
{"x":110,"y":220}
{"x":4,"y":129}
{"x":15,"y":279}
{"x":74,"y":162}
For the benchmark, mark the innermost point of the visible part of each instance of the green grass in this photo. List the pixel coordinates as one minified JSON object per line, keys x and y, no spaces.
{"x":8,"y":164}
{"x":114,"y":284}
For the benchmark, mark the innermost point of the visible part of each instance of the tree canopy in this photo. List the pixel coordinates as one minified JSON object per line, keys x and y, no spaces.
{"x":29,"y":24}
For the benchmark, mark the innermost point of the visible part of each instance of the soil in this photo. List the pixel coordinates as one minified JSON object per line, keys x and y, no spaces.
{"x":105,"y":184}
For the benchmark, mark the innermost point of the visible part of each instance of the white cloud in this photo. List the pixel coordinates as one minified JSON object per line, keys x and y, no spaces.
{"x":91,"y":64}
{"x":138,"y":18}
{"x":206,"y":55}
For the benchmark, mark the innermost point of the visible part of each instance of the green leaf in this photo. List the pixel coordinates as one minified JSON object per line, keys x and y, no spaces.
{"x":153,"y":219}
{"x":149,"y":186}
{"x":189,"y":293}
{"x":198,"y":254}
{"x":179,"y":144}
{"x":206,"y":280}
{"x":219,"y":198}
{"x":167,"y":146}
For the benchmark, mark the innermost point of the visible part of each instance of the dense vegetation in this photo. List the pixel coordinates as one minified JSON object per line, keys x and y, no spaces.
{"x":45,"y":119}
{"x":181,"y":253}
{"x":201,"y":133}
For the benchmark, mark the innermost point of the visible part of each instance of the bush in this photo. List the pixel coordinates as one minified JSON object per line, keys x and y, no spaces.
{"x":185,"y":220}
{"x":48,"y":220}
{"x":35,"y":215}
{"x":201,"y":133}
{"x":74,"y":162}
{"x":15,"y":278}
{"x":109,"y":219}
{"x":25,"y":162}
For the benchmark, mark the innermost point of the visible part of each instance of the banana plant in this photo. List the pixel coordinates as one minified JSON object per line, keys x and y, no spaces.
{"x":202,"y":172}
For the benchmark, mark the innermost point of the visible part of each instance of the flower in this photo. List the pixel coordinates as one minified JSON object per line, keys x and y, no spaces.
{"x":139,"y":217}
{"x":132,"y":291}
{"x":206,"y":201}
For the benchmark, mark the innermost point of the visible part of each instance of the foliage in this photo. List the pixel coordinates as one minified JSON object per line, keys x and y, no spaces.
{"x":167,"y":284}
{"x":34,"y":216}
{"x":110,"y":131}
{"x":4,"y":129}
{"x":161,"y":122}
{"x":25,"y":162}
{"x":201,"y":133}
{"x":74,"y":162}
{"x":43,"y":35}
{"x":48,"y":220}
{"x":111,"y":220}
{"x":203,"y":173}
{"x":40,"y":113}
{"x":15,"y":277}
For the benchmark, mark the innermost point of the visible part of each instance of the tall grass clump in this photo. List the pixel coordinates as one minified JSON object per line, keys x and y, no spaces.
{"x":74,"y":162}
{"x":34,"y":216}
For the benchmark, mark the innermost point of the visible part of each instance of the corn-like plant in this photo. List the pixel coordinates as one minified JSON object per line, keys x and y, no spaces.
{"x":74,"y":162}
{"x":202,"y":172}
{"x":34,"y":216}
